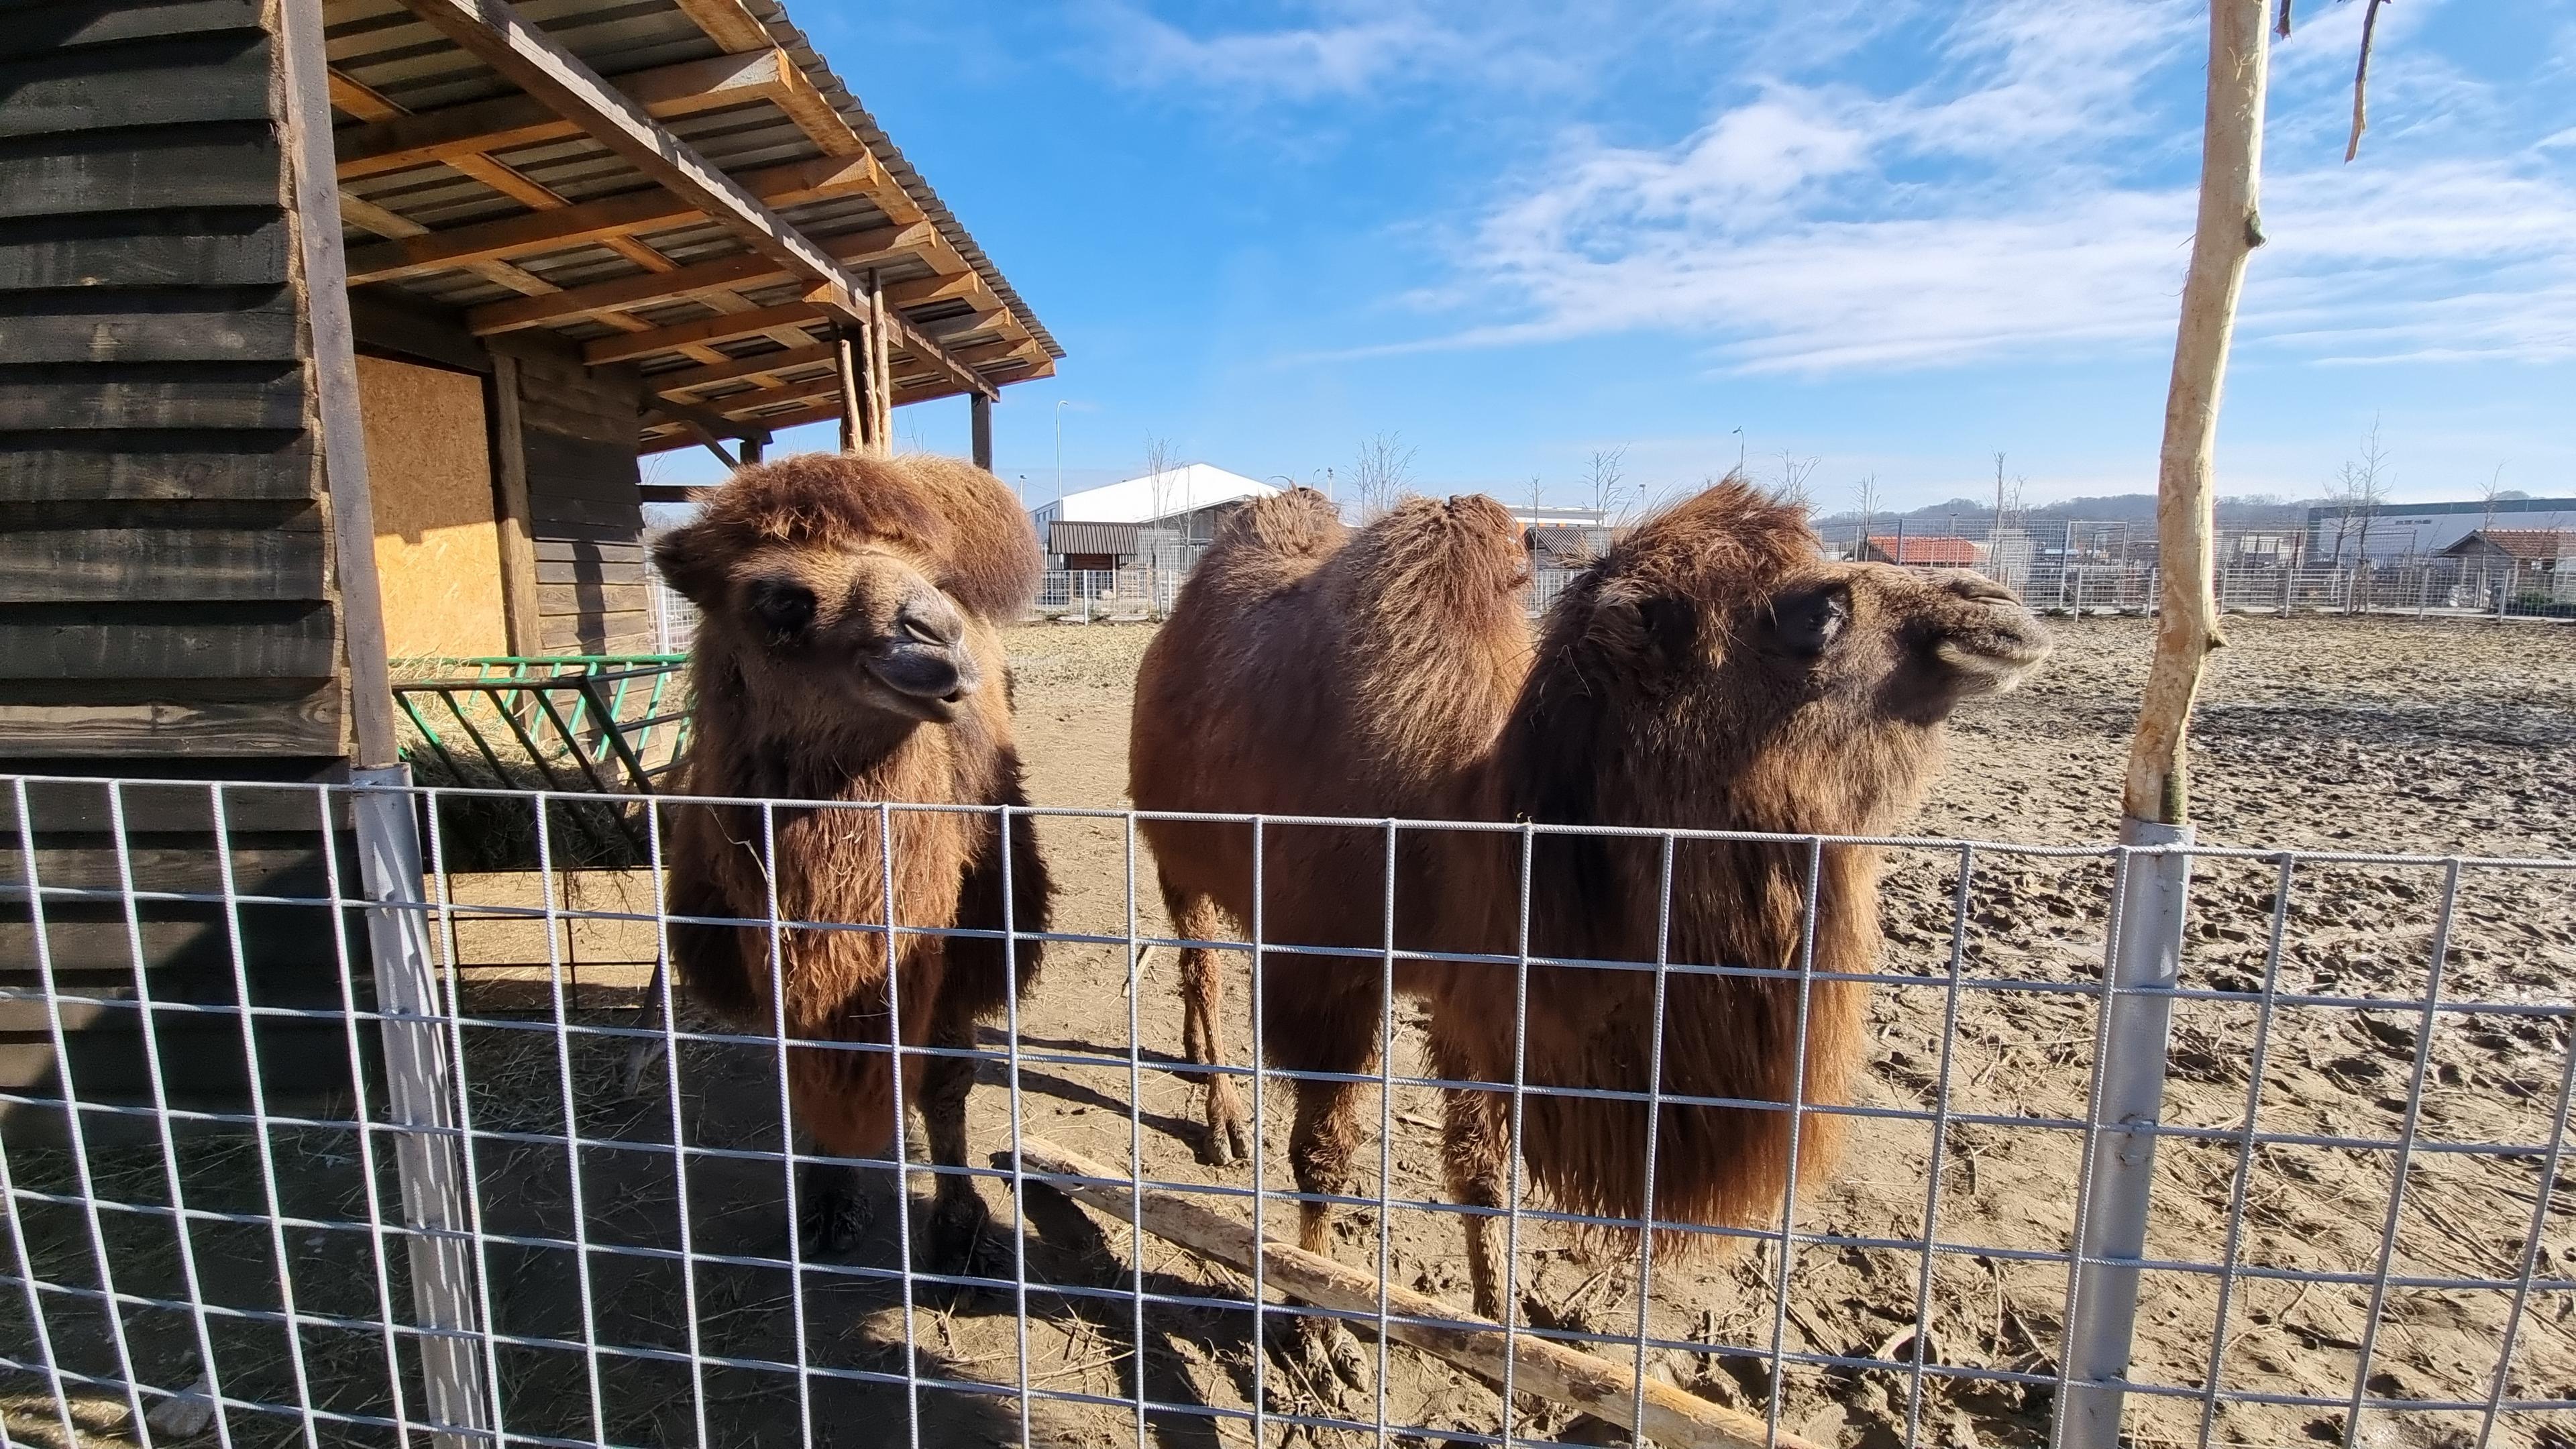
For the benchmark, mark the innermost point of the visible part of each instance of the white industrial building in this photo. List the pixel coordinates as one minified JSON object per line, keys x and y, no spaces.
{"x":1163,"y":518}
{"x":2392,"y":531}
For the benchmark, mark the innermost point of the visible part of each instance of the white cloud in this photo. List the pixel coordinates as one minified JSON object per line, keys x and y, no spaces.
{"x":1330,"y":58}
{"x":2031,"y":194}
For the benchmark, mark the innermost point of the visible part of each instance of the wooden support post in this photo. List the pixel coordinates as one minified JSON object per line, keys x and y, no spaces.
{"x":323,"y":281}
{"x":845,"y":354}
{"x":1540,"y":1366}
{"x":979,"y":418}
{"x":516,"y":523}
{"x":881,"y":365}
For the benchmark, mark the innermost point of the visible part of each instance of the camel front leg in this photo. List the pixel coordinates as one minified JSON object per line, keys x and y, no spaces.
{"x":1313,"y":1030}
{"x":1196,"y":917}
{"x":1476,"y":1151}
{"x":844,"y":1100}
{"x":958,"y":1216}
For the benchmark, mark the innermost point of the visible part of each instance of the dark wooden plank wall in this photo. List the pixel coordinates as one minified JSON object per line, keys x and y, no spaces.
{"x":166,"y":604}
{"x":586,"y":516}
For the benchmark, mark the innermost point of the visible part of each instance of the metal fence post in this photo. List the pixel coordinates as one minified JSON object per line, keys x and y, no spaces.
{"x":420,"y":1101}
{"x":2144,"y":963}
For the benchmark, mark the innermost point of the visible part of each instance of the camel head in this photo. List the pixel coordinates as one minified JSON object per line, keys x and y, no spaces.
{"x":852,"y":588}
{"x":1717,"y":671}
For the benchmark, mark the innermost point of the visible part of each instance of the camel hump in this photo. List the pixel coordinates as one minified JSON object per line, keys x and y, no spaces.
{"x":1463,"y":550}
{"x":1299,"y":523}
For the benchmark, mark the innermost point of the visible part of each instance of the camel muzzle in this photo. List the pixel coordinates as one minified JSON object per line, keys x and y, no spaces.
{"x":927,"y":679}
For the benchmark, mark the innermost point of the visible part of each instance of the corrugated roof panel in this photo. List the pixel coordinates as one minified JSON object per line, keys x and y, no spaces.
{"x":382,"y":45}
{"x":793,"y":41}
{"x":1113,"y":538}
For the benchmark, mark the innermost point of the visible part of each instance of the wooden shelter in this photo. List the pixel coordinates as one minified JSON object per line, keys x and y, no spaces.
{"x":333,"y":330}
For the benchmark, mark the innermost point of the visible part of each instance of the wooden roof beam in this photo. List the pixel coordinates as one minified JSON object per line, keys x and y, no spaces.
{"x":681,"y":381}
{"x":875,"y":246}
{"x":914,"y":293}
{"x":722,"y":327}
{"x":981,"y":356}
{"x":401,"y":142}
{"x":495,"y":33}
{"x":819,"y":412}
{"x":712,"y":422}
{"x":726,"y":23}
{"x":625,"y":214}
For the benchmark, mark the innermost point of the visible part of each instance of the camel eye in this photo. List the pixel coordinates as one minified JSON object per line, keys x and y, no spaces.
{"x":783,"y":608}
{"x":1808,"y":622}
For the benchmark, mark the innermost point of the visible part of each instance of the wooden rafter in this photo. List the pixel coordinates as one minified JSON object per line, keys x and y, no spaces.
{"x":864,"y":248}
{"x":397,"y":142}
{"x":660,"y":438}
{"x":659,"y":418}
{"x":626,"y":214}
{"x":496,"y":34}
{"x":727,"y":23}
{"x":991,"y":355}
{"x":682,"y":381}
{"x":914,"y":293}
{"x":367,"y":104}
{"x":720,"y":328}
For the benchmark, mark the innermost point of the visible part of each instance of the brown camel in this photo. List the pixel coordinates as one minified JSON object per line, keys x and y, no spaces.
{"x":847,"y":652}
{"x":1711,"y":671}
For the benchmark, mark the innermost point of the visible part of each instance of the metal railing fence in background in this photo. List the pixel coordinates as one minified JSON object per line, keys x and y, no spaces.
{"x":586,"y":727}
{"x":2422,"y":588}
{"x":2191,"y":1144}
{"x":1144,"y":591}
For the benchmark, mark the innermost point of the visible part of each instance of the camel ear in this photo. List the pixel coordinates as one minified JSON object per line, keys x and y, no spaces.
{"x":1671,"y":627}
{"x":692,"y":557}
{"x":1658,"y":631}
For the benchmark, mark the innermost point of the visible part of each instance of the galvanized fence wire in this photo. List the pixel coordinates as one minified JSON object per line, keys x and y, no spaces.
{"x":283,"y":1263}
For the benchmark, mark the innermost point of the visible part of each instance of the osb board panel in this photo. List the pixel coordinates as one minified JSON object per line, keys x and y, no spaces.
{"x":438,"y":548}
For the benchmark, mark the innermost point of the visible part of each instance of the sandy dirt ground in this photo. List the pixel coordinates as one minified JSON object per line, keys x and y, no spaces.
{"x":2316,"y":734}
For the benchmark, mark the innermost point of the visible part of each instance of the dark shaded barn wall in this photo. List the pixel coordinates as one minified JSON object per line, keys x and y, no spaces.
{"x":577,"y":429}
{"x":167,"y":606}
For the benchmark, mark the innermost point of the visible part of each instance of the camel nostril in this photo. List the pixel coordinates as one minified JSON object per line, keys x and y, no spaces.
{"x":930,"y":621}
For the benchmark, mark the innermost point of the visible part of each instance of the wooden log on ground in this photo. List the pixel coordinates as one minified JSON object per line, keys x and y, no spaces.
{"x":1541,"y":1366}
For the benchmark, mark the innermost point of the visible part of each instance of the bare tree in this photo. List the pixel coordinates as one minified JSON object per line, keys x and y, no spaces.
{"x":1866,"y":491}
{"x":1601,"y":480}
{"x":2360,"y":487}
{"x":1383,"y":468}
{"x":2488,"y":493}
{"x":1795,"y":475}
{"x":1161,"y":487}
{"x":1537,"y":490}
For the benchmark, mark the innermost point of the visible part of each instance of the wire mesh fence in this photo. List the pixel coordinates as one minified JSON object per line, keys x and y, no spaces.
{"x":2210,"y":1146}
{"x":2053,"y":581}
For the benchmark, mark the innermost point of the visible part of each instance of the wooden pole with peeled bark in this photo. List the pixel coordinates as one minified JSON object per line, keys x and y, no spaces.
{"x":2229,"y":229}
{"x":2144,"y":952}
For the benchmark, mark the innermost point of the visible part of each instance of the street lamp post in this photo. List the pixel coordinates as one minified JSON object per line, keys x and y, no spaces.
{"x":1059,"y":446}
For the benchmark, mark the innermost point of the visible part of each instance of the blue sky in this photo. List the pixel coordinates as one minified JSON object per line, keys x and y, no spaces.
{"x":1890,"y":236}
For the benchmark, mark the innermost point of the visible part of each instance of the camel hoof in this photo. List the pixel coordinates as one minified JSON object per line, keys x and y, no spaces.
{"x":958,"y":1241}
{"x":834,"y":1222}
{"x":1227,"y":1142}
{"x":1320,"y":1360}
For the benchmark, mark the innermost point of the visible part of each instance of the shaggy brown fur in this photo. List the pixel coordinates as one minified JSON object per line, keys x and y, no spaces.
{"x":847,"y":652}
{"x":1293,"y":621}
{"x":1712,"y":671}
